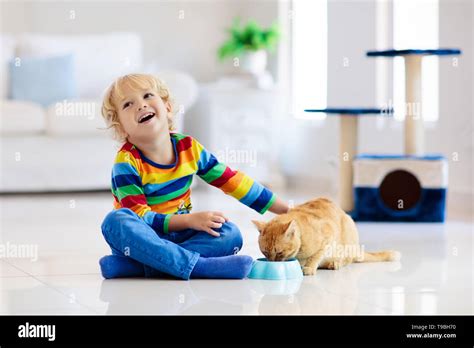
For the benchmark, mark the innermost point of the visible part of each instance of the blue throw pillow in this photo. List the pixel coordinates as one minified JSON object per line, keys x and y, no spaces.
{"x":43,"y":80}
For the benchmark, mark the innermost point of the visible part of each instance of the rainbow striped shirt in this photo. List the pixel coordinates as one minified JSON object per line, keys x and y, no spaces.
{"x":155,"y":191}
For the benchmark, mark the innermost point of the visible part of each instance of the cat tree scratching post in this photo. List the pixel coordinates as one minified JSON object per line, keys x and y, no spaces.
{"x":347,"y":151}
{"x":414,"y":133}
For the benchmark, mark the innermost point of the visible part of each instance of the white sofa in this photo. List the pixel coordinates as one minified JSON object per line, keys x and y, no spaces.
{"x":62,"y":147}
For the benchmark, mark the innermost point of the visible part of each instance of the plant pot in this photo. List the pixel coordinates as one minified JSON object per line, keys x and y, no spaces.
{"x":254,"y":62}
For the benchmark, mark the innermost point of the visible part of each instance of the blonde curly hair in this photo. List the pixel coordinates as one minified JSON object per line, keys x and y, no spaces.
{"x":135,"y":82}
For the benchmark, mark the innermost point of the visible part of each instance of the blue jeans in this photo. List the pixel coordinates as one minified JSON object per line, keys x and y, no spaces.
{"x":173,"y":253}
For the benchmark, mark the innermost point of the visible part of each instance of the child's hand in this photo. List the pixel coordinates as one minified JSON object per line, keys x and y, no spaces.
{"x":206,"y":221}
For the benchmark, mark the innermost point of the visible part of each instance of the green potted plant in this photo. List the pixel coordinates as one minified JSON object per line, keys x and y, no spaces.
{"x":250,"y":43}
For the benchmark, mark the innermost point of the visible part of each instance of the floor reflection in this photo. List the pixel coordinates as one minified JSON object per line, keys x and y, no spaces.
{"x":329,"y":292}
{"x":318,"y":294}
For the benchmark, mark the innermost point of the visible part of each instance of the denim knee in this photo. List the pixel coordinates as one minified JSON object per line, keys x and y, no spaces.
{"x":231,"y":235}
{"x":113,"y":217}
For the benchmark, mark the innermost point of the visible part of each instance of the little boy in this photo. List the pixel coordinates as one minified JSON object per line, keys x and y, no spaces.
{"x":152,"y":231}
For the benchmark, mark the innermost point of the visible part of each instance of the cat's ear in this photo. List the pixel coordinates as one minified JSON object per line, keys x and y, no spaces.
{"x":291,"y":230}
{"x":259,"y":224}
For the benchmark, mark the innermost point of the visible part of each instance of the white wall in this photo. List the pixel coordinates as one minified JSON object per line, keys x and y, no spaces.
{"x":454,"y":133}
{"x":177,"y":34}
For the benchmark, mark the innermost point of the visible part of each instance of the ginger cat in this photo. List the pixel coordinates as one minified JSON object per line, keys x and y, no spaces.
{"x":319,"y":234}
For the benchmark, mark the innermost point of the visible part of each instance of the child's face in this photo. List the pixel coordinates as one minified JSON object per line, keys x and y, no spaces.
{"x":142,"y":114}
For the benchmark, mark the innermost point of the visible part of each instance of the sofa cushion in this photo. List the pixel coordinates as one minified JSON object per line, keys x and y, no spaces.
{"x":78,"y":116}
{"x":20,"y":118}
{"x":43,"y":80}
{"x":42,"y":163}
{"x":7,"y":53}
{"x":98,"y":59}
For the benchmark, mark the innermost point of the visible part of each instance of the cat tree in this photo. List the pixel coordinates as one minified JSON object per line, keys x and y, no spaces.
{"x":408,"y":187}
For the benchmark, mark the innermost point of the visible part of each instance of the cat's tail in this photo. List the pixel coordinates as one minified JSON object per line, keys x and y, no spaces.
{"x":389,"y":255}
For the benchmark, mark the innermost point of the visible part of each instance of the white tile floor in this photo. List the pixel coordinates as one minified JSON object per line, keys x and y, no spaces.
{"x":435,"y":275}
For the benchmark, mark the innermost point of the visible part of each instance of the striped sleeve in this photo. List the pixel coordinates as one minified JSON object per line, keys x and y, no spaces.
{"x":128,"y":192}
{"x":233,"y":182}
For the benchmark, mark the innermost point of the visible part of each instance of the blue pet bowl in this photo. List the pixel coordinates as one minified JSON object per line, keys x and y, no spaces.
{"x":276,"y":270}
